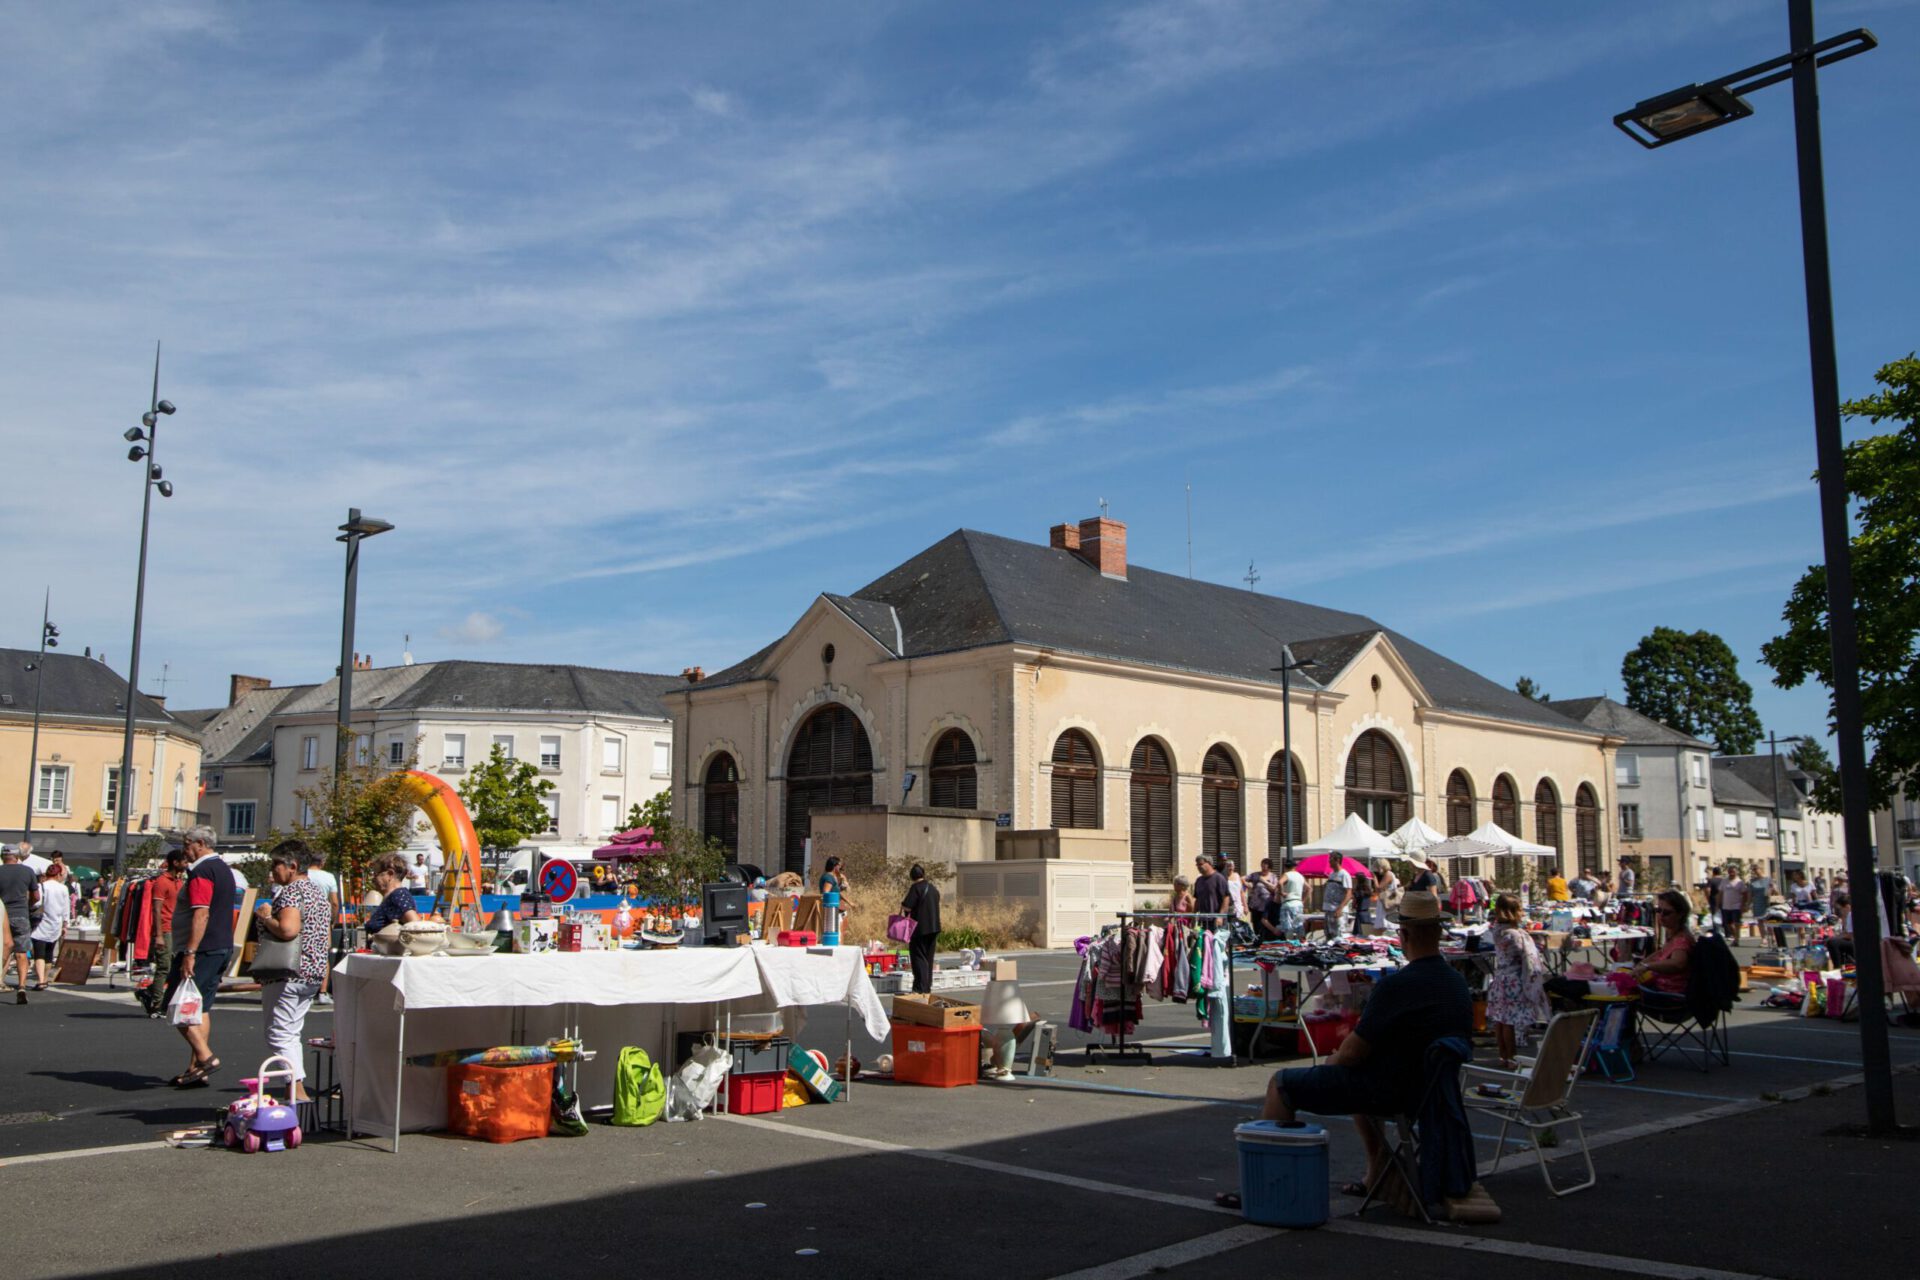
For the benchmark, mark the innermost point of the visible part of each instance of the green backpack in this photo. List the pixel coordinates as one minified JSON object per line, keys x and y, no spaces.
{"x":639,"y":1090}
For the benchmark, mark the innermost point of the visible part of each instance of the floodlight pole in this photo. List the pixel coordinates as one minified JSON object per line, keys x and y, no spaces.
{"x":1836,"y":536}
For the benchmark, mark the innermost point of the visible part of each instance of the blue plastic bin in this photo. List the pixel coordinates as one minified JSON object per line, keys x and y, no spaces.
{"x":1283,"y":1173}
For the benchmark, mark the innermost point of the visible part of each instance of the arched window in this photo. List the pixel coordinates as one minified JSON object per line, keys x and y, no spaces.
{"x":1150,"y":792}
{"x":1377,"y":782}
{"x":1076,"y":781}
{"x":1220,"y":804}
{"x":720,"y":802}
{"x":1283,"y":788}
{"x":1460,"y":804}
{"x":1506,"y":805}
{"x":1586,"y":828}
{"x":1546,"y":815}
{"x":831,"y":763}
{"x":952,"y":783}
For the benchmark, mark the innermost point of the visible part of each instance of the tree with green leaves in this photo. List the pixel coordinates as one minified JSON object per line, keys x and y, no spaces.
{"x":1690,"y":681}
{"x":1883,"y":488}
{"x":1810,"y":757}
{"x":367,"y":815}
{"x":503,"y":799}
{"x":1526,"y":688}
{"x":656,"y":813}
{"x":671,"y":878}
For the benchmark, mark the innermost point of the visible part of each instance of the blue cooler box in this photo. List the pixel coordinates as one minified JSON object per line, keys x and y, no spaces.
{"x":1283,"y":1173}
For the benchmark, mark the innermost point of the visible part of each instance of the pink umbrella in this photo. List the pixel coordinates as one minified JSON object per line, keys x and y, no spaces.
{"x":636,"y":843}
{"x":1318,"y":866}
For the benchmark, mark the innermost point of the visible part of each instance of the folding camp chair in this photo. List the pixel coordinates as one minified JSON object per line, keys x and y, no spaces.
{"x":1694,"y":1025}
{"x":1440,"y":1098}
{"x":1538,"y":1096}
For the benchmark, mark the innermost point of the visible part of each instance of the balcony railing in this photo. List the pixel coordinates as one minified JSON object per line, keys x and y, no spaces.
{"x":1907,"y":828}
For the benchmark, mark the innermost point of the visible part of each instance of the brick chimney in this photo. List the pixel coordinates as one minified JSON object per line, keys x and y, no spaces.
{"x":239,"y":687}
{"x":1064,"y":537}
{"x":1103,"y":544}
{"x":693,"y":675}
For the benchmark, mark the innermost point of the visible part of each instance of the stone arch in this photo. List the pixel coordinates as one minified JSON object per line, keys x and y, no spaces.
{"x":812,"y":701}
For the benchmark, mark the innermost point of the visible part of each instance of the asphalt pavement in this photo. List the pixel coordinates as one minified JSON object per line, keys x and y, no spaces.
{"x":1108,"y":1167}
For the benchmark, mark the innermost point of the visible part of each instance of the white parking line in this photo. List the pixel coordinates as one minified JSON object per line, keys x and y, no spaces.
{"x":79,"y":1152}
{"x":1173,"y":1255}
{"x":1544,"y":1253}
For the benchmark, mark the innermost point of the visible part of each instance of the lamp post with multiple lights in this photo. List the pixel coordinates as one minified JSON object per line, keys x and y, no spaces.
{"x":356,"y":530}
{"x":1696,"y":109}
{"x":144,"y":443}
{"x":1288,"y":665}
{"x":49,"y":639}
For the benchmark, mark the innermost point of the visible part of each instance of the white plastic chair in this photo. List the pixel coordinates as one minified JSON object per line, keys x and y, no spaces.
{"x":1538,"y":1096}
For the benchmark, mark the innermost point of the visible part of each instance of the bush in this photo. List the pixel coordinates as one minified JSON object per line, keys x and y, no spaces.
{"x":995,"y":925}
{"x":876,"y":884}
{"x":960,"y":939}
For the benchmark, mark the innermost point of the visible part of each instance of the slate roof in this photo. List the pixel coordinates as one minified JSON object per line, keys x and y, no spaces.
{"x":1730,"y":788}
{"x":462,"y":685}
{"x":229,"y":735}
{"x":1756,"y":774}
{"x":1621,"y":721}
{"x":75,"y":688}
{"x":973,"y":589}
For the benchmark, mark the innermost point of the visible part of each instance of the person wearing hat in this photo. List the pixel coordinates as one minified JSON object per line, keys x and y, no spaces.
{"x":1380,"y":1068}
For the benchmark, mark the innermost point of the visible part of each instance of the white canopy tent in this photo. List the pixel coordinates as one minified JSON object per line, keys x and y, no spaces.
{"x":1353,"y":837}
{"x":1461,"y":847}
{"x":1414,"y":835}
{"x":1495,"y":834}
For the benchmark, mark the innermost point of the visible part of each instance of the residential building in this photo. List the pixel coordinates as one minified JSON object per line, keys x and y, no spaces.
{"x":603,"y":738}
{"x":236,"y":771}
{"x":73,"y":781}
{"x":1059,"y":688}
{"x":1896,"y":831}
{"x":1663,"y":783}
{"x":1809,"y":839}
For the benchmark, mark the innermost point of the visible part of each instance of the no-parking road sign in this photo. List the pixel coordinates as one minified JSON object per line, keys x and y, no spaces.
{"x":558,"y":879}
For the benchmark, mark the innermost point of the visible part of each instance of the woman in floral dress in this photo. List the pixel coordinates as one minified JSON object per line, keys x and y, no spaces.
{"x":1517,"y":995}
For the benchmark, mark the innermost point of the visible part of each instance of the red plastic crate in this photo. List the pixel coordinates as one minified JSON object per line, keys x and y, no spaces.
{"x":754,"y":1093}
{"x":883,"y":962}
{"x":941,"y":1057}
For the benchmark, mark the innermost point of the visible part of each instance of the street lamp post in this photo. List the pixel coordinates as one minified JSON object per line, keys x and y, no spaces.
{"x":356,"y":530}
{"x":1695,"y":109}
{"x":1288,"y":665}
{"x":144,"y":454}
{"x":1773,"y":773}
{"x":49,"y":639}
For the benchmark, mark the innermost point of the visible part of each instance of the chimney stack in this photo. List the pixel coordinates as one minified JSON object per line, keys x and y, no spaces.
{"x":693,"y":675}
{"x":1064,"y":537}
{"x":239,"y":686}
{"x":1099,"y":541}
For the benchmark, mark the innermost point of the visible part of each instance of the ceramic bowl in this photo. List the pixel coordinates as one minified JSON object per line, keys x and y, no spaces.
{"x":484,"y":938}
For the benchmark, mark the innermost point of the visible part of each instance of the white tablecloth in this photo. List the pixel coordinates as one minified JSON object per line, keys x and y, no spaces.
{"x":619,"y":998}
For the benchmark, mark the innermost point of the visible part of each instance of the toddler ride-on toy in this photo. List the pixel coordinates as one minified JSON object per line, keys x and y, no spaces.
{"x":258,"y":1122}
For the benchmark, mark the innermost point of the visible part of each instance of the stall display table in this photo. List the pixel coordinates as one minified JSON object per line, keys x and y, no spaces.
{"x":1310,"y":982}
{"x":387,"y":1007}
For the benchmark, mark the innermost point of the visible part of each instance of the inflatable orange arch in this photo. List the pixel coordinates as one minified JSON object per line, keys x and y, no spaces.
{"x":452,"y":827}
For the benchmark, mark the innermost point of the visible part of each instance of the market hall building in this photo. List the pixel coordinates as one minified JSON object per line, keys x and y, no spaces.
{"x":1058,"y":687}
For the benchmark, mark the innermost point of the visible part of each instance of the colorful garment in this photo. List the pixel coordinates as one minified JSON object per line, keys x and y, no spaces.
{"x":1516,"y":995}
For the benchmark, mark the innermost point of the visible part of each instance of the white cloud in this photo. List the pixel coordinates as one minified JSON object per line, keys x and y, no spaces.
{"x":476,"y":628}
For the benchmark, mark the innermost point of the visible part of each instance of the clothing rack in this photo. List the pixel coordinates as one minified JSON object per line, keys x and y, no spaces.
{"x":1118,"y":1045}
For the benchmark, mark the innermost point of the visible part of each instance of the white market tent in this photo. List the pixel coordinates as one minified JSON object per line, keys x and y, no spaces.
{"x":1494,"y":834}
{"x":1461,"y":847}
{"x":1413,"y":835}
{"x":1352,"y":837}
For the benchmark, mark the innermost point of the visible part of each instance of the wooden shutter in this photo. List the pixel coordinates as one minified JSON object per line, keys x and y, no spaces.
{"x":1506,"y":805}
{"x":720,"y":797}
{"x":830,"y":763}
{"x":1076,"y":782}
{"x":1220,"y":805}
{"x":1151,"y":796}
{"x":953,"y":784}
{"x":1586,"y":827}
{"x":1546,"y":816}
{"x":1459,"y":804}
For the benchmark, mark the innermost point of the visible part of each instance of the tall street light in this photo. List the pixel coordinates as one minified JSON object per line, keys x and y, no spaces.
{"x":356,"y":530}
{"x":1681,"y":114}
{"x":49,"y":639}
{"x":142,"y":453}
{"x":1288,"y":665}
{"x":1773,"y":773}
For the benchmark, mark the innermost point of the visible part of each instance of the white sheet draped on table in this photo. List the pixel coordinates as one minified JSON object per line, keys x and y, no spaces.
{"x":624,"y":997}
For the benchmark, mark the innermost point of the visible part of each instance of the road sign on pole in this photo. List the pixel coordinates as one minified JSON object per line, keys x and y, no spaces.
{"x":558,"y":879}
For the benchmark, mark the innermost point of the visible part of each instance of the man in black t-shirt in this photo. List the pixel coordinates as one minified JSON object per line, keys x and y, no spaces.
{"x":1380,"y":1069}
{"x":1210,"y":893}
{"x":202,"y":941}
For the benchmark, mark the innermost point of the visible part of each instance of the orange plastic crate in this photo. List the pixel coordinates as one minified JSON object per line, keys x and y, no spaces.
{"x":941,"y":1057}
{"x":500,"y":1104}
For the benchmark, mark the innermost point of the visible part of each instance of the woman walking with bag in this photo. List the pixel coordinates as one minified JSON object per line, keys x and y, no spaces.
{"x":295,"y":926}
{"x":922,"y":906}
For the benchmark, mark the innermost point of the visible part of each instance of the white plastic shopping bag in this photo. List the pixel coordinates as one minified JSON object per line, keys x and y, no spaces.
{"x":184,"y":1010}
{"x":694,"y":1086}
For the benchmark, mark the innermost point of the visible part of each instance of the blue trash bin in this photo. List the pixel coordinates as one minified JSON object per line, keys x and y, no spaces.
{"x":1283,"y":1173}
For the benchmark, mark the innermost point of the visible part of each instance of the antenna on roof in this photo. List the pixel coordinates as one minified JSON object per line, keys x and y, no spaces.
{"x":1251,"y":576}
{"x":165,"y":679}
{"x":406,"y":656}
{"x":1189,"y":528}
{"x":1103,"y":508}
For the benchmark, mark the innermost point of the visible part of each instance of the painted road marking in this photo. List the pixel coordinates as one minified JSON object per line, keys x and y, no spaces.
{"x":1544,"y":1253}
{"x":1174,"y":1255}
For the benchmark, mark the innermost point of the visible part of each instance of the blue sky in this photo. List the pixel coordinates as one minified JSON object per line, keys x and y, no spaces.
{"x":645,"y":323}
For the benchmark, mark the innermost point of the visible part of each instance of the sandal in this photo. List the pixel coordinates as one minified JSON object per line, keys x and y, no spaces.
{"x":198,"y":1076}
{"x":1227,"y":1199}
{"x":1353,"y":1189}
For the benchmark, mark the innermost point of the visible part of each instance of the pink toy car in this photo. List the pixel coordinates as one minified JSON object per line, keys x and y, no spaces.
{"x":259,"y":1123}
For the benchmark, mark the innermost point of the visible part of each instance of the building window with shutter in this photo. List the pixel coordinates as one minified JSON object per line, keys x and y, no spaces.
{"x":610,"y":754}
{"x":1506,"y":805}
{"x":309,"y":753}
{"x":1630,"y":822}
{"x":55,"y":780}
{"x":1076,"y":782}
{"x":453,"y":751}
{"x":1460,"y":804}
{"x":663,"y":759}
{"x":1150,"y":793}
{"x":1626,"y":770}
{"x":551,"y":803}
{"x":951,"y":780}
{"x":1220,"y":804}
{"x":1546,"y":815}
{"x":1376,"y":782}
{"x":829,"y":764}
{"x":1586,"y":828}
{"x":1285,"y":795}
{"x":550,"y":752}
{"x":720,"y":802}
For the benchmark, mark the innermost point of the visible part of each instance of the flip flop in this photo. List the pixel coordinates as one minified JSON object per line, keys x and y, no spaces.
{"x":1227,"y":1199}
{"x":1353,"y":1189}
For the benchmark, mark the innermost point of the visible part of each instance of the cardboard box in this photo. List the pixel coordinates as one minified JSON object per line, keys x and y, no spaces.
{"x":935,"y":1011}
{"x":1004,"y":971}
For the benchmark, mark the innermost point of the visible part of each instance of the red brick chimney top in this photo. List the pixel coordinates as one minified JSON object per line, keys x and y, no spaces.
{"x":693,"y":675}
{"x":239,"y":686}
{"x":1103,"y":544}
{"x":1064,"y":537}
